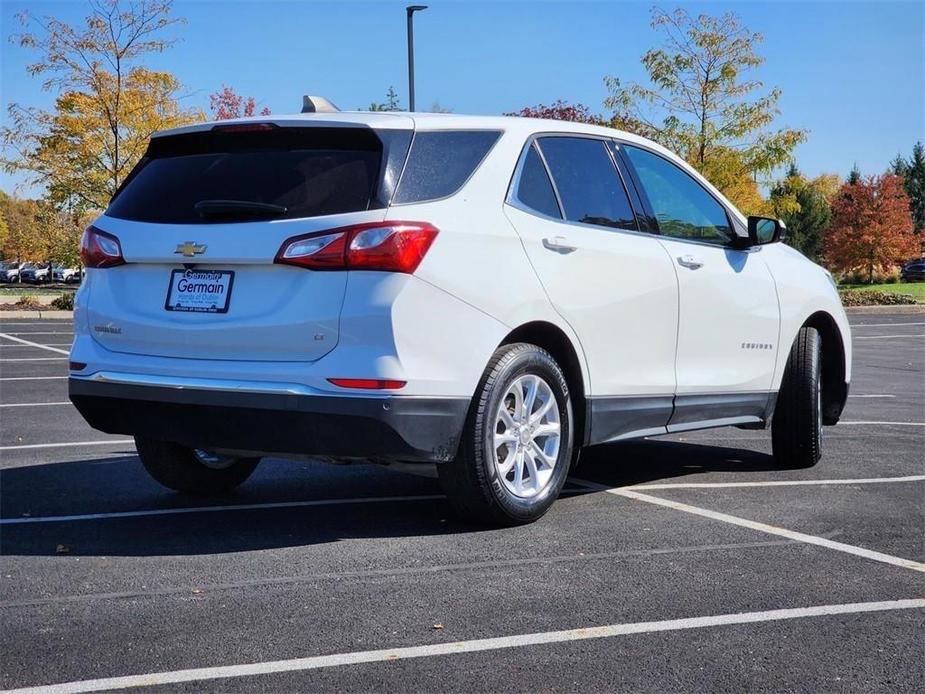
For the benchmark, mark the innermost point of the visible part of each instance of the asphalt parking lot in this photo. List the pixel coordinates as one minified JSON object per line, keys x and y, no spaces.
{"x":682,"y":563}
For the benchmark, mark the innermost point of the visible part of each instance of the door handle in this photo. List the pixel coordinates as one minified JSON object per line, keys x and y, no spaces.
{"x":690,"y":261}
{"x":558,"y":244}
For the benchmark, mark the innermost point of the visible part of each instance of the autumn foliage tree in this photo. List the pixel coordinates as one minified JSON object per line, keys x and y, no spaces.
{"x":871,"y":228}
{"x":107,"y":104}
{"x":226,"y":104}
{"x":560,"y":110}
{"x":703,"y":101}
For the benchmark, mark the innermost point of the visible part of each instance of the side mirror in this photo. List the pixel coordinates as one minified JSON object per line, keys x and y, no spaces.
{"x":763,"y":230}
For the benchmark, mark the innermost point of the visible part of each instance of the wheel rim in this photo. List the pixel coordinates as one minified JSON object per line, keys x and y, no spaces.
{"x":213,"y":460}
{"x":527,"y":435}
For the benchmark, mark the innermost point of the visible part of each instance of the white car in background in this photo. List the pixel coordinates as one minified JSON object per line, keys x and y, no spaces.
{"x":489,"y":294}
{"x":66,"y":275}
{"x":9,"y":272}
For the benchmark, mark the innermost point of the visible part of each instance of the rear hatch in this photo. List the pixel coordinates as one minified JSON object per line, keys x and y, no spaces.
{"x":200,"y":221}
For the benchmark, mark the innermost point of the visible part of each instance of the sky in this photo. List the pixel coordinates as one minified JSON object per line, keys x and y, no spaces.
{"x":851,"y":73}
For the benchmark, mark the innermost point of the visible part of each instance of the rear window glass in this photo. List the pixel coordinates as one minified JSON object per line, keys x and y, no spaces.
{"x":284,"y":173}
{"x":589,"y":186}
{"x":441,"y":161}
{"x":534,"y":189}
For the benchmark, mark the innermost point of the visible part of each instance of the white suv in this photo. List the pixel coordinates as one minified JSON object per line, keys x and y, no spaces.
{"x":490,"y":294}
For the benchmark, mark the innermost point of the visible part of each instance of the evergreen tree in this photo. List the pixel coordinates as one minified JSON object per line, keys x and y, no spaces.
{"x":855,"y":176}
{"x":804,"y":208}
{"x":899,"y":167}
{"x":914,"y":180}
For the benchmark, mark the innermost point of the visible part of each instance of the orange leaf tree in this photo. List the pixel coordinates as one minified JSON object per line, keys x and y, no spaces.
{"x":871,"y":226}
{"x":227,"y":104}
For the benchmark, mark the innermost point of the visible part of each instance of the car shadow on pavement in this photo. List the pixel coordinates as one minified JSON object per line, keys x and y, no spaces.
{"x":640,"y":462}
{"x":115,"y":485}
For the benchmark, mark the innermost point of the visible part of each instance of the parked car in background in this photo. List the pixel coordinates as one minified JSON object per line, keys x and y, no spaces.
{"x":67,"y":275}
{"x":913,"y":271}
{"x":488,"y":294}
{"x":36,"y":274}
{"x":9,"y":272}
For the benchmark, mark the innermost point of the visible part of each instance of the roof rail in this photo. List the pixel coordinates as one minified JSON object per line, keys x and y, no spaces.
{"x":317,"y":104}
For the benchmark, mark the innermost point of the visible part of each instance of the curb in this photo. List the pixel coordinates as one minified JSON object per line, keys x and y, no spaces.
{"x":901,"y":308}
{"x":47,"y":315}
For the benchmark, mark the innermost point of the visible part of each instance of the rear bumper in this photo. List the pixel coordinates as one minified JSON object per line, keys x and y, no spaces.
{"x":387,"y":428}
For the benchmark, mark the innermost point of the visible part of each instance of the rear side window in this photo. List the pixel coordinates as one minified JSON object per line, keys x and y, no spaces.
{"x":279,"y":173}
{"x":683,"y":207}
{"x":588,"y":183}
{"x":534,"y":188}
{"x":441,"y":161}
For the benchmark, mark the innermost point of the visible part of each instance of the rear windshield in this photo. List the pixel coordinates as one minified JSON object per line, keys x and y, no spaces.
{"x":280,"y":173}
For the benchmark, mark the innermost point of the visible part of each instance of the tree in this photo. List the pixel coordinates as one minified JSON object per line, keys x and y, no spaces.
{"x":226,"y":104}
{"x":21,"y":241}
{"x":560,"y":110}
{"x":107,"y":107}
{"x":899,"y":167}
{"x":871,"y":227}
{"x":702,"y":102}
{"x":915,"y":187}
{"x":806,"y":211}
{"x":854,"y":176}
{"x":391,"y":102}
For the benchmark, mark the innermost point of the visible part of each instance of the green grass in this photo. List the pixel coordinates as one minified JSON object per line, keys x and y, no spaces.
{"x":916,"y":289}
{"x":28,"y":290}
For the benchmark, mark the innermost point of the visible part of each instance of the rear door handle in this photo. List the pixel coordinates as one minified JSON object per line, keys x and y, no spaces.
{"x":558,"y":244}
{"x":690,"y":261}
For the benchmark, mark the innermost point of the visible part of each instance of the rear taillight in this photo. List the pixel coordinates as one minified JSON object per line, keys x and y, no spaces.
{"x":384,"y":246}
{"x":99,"y":249}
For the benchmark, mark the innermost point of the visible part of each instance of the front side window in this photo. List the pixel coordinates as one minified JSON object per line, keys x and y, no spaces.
{"x":683,"y":208}
{"x":534,"y":189}
{"x":588,"y":183}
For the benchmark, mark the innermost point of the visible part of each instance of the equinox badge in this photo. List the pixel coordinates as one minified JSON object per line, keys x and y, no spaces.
{"x":190,"y":248}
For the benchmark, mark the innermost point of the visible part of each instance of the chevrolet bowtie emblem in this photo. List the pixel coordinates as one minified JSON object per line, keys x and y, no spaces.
{"x":190,"y":248}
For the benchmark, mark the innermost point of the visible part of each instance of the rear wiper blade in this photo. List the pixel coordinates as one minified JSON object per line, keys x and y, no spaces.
{"x":238,"y":208}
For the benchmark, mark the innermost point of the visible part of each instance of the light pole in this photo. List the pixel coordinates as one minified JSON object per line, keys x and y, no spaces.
{"x":410,"y":10}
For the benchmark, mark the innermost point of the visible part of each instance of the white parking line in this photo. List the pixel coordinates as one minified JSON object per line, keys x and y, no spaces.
{"x":36,"y":404}
{"x":871,"y":396}
{"x":2,"y":360}
{"x":760,"y":527}
{"x":50,"y":344}
{"x":29,"y":446}
{"x":899,"y":424}
{"x":36,"y":332}
{"x":776,"y":483}
{"x":33,"y":378}
{"x":884,"y":337}
{"x":472,"y":646}
{"x":10,"y":336}
{"x":883,"y":325}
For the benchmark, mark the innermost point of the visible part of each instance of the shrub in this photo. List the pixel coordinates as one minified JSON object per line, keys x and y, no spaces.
{"x":65,"y":302}
{"x":26,"y":303}
{"x":862,"y":298}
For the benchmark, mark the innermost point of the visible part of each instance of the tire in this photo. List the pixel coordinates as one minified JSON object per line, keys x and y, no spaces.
{"x":477,"y":487}
{"x":796,"y":429}
{"x":187,"y":471}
